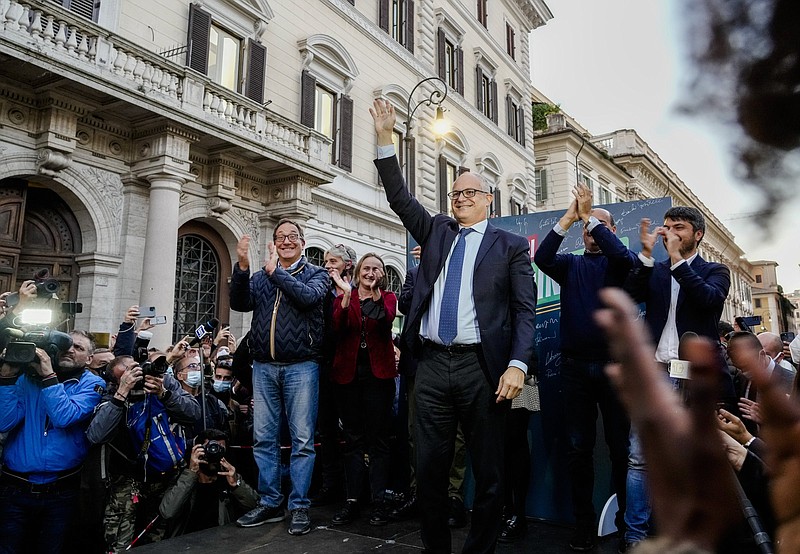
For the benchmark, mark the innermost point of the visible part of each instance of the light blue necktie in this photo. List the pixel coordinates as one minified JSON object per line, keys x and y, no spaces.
{"x":448,"y":314}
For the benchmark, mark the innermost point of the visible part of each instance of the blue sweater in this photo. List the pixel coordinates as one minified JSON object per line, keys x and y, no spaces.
{"x":580,"y":278}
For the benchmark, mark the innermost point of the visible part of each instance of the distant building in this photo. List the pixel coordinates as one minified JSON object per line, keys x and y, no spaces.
{"x":620,"y":166}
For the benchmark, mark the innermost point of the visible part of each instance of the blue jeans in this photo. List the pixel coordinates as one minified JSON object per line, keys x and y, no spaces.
{"x":295,"y":389}
{"x":637,"y":510}
{"x":35,"y":522}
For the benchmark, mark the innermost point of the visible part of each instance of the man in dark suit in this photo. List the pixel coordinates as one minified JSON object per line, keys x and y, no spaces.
{"x":682,"y":294}
{"x":471,"y":326}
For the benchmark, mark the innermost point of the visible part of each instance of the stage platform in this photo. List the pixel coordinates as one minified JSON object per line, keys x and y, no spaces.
{"x":358,"y":537}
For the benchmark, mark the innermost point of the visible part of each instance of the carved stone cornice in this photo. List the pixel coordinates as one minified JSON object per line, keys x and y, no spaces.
{"x":164,"y":127}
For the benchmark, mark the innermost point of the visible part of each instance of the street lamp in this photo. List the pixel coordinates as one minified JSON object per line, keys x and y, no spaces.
{"x":436,"y":98}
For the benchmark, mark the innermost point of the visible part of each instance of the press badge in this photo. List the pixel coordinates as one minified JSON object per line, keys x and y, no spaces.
{"x":679,"y":369}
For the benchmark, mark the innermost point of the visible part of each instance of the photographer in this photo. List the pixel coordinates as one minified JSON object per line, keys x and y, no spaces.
{"x":45,"y":409}
{"x":189,"y":373}
{"x":209,"y":492}
{"x":134,"y":491}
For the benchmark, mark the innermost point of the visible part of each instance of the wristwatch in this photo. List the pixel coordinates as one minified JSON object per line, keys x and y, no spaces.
{"x":238,"y":482}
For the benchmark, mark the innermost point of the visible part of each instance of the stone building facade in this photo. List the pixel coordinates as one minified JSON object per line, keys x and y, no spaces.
{"x":140,"y":140}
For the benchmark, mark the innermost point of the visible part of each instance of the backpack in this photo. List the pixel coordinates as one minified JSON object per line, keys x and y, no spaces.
{"x":160,"y":446}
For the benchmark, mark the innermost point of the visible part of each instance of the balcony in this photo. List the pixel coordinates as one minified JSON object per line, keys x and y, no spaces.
{"x":42,"y":42}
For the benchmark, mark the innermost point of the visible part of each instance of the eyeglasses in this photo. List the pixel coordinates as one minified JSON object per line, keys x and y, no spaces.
{"x":190,"y":366}
{"x":466,"y":193}
{"x":283,"y":238}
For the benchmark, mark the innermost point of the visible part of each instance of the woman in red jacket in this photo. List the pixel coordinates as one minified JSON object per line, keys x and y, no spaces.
{"x":364,"y":372}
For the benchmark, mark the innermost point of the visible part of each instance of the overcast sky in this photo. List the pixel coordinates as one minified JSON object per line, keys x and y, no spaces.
{"x":618,"y":64}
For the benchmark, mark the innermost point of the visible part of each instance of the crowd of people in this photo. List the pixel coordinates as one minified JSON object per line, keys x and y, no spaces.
{"x":106,"y":448}
{"x":151,"y":443}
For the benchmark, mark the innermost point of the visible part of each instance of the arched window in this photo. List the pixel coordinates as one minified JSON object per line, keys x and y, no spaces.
{"x":394,"y":281}
{"x":316,"y":256}
{"x":197,"y":275}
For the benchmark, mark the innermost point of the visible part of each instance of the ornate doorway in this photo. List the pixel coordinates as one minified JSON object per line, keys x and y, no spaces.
{"x":37,"y":231}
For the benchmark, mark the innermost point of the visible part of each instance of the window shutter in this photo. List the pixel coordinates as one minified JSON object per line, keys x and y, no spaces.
{"x":411,"y":165}
{"x":493,"y":96}
{"x":497,"y":203}
{"x":83,"y":8}
{"x":383,"y":14}
{"x":510,"y":127}
{"x":443,"y":184}
{"x":308,"y":91}
{"x":198,"y":37}
{"x":346,"y":133}
{"x":409,"y":22}
{"x":521,"y":123}
{"x":256,"y":71}
{"x":482,"y":11}
{"x":440,"y":55}
{"x":479,"y":88}
{"x":462,"y":169}
{"x":460,"y":70}
{"x":542,"y":192}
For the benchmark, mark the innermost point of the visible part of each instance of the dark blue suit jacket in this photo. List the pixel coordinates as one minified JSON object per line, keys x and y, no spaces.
{"x":504,"y":287}
{"x":703,"y":290}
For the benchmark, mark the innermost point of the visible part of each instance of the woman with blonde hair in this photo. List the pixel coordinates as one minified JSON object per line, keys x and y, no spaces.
{"x":364,"y":371}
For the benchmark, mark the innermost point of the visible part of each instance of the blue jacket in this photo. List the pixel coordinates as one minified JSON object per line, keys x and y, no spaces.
{"x":47,"y":423}
{"x":581,"y":277}
{"x":287,"y":306}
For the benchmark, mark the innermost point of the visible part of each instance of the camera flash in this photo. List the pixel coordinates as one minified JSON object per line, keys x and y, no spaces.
{"x":33,"y":316}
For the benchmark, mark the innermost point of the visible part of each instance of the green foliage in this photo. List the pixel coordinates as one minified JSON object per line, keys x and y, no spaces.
{"x":540,"y":112}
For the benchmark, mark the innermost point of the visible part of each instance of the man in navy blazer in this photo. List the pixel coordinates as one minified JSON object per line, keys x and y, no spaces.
{"x":684,"y":293}
{"x":468,"y":379}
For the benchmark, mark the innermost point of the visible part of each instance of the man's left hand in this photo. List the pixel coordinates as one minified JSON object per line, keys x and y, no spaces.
{"x":229,"y":473}
{"x":511,"y":383}
{"x":45,"y":366}
{"x":272,"y":258}
{"x":154,"y":385}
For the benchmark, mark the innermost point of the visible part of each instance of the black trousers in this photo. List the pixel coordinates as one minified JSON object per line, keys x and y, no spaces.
{"x":328,"y":428}
{"x":452,"y":389}
{"x":586,"y":387}
{"x":365,"y":406}
{"x":518,"y":462}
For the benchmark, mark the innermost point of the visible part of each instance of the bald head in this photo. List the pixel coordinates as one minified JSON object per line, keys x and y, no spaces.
{"x":605,"y":218}
{"x":472,"y":199}
{"x":771,"y":343}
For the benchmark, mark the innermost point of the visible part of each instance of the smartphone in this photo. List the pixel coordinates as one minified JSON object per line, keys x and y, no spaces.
{"x":158,"y":320}
{"x":147,"y":311}
{"x":787,"y":337}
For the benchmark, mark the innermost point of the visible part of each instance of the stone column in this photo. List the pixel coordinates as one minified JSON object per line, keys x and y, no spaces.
{"x":160,"y":251}
{"x":163,"y":161}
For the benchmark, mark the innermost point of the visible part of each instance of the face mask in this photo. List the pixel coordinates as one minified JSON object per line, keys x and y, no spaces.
{"x":222,"y":386}
{"x":193,"y":378}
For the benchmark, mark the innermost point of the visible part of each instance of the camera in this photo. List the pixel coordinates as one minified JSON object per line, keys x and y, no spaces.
{"x":140,"y":345}
{"x":156,"y":368}
{"x":46,"y":287}
{"x":214,"y":452}
{"x":21,"y":349}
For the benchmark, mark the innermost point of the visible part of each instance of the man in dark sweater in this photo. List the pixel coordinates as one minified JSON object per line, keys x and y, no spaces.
{"x":605,"y":262}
